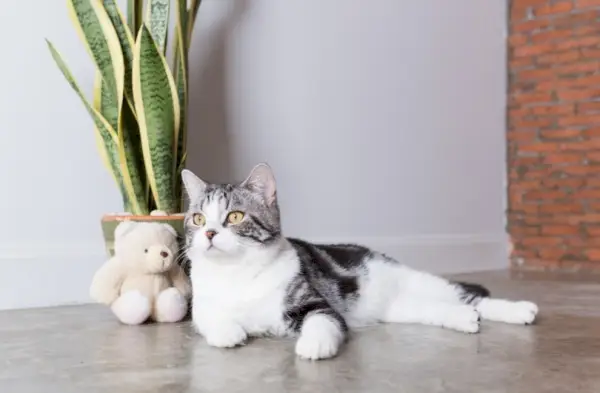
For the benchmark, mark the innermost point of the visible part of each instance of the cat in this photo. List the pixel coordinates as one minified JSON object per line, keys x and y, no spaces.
{"x":249,"y":280}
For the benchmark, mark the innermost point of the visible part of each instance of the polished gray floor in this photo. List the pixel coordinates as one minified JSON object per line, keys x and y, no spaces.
{"x":83,"y":349}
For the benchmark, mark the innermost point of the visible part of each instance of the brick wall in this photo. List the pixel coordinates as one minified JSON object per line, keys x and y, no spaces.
{"x":554,"y":133}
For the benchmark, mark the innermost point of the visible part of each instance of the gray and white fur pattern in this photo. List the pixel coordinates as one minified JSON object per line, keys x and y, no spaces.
{"x":249,"y":280}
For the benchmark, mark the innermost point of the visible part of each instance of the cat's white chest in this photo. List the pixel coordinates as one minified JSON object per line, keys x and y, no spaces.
{"x":252,"y":296}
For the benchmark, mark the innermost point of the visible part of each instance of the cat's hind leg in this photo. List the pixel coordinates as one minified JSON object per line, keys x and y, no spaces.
{"x":494,"y":309}
{"x":460,"y":317}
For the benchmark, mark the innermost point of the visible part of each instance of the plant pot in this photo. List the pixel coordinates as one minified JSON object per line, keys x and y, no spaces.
{"x":110,"y":221}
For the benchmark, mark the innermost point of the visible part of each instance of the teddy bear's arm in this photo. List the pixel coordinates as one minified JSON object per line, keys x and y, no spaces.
{"x":107,"y":281}
{"x":180,"y":280}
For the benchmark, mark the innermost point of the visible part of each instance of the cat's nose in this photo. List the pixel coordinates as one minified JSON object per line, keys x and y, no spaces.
{"x":210,"y":234}
{"x":164,"y":254}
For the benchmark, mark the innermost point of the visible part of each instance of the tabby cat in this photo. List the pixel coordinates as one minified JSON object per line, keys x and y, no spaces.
{"x":249,"y":280}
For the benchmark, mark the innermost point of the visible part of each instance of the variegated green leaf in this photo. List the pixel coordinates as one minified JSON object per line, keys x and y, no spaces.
{"x":96,"y":31}
{"x":125,"y":40}
{"x":191,"y":19}
{"x":106,"y":135}
{"x":157,"y":107}
{"x":181,"y":79}
{"x":158,"y":21}
{"x":132,"y":161}
{"x":108,"y":148}
{"x":135,"y":14}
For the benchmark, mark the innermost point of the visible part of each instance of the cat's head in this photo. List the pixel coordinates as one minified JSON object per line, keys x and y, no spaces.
{"x":228,"y":220}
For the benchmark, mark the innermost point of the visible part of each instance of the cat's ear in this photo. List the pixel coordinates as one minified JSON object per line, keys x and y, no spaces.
{"x":194,"y":186}
{"x":262,"y":181}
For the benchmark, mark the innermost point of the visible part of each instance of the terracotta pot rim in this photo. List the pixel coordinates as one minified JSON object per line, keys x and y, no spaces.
{"x":116,"y":217}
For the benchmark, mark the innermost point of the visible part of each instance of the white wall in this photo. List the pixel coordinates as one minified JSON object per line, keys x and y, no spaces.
{"x":384,"y":122}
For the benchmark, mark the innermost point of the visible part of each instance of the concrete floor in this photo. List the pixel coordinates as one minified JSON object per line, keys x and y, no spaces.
{"x":83,"y":349}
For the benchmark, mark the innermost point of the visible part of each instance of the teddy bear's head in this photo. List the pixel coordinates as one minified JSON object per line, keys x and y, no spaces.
{"x":146,"y":247}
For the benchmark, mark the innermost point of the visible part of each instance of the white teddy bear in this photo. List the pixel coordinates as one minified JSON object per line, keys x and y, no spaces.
{"x":143,"y":279}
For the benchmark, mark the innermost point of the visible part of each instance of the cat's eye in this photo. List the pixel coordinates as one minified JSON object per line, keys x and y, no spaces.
{"x":198,"y":219}
{"x":235,"y":217}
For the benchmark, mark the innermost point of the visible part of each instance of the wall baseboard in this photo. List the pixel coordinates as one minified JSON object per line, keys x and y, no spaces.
{"x":57,"y":274}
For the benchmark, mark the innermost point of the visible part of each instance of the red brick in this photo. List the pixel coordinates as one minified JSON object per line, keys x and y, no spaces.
{"x":529,"y":98}
{"x":553,"y":110}
{"x":580,"y":170}
{"x":540,"y":147}
{"x":578,"y":42}
{"x":544,"y":194}
{"x":574,"y":19}
{"x":593,"y":254}
{"x":593,"y":218}
{"x":578,"y":120}
{"x":585,"y":30}
{"x":584,"y":81}
{"x":593,"y":183}
{"x":550,"y":35}
{"x":559,"y":230}
{"x":578,"y":94}
{"x":551,"y":253}
{"x":520,"y":62}
{"x":532,"y":50}
{"x":517,"y":40}
{"x":541,"y":241}
{"x":530,"y":25}
{"x":536,"y":74}
{"x":590,"y":53}
{"x":559,"y":58}
{"x":559,"y":183}
{"x":521,"y":135}
{"x":560,"y":208}
{"x":556,"y":8}
{"x":593,"y":230}
{"x":581,"y":146}
{"x":578,"y":68}
{"x":536,"y":123}
{"x":587,"y":3}
{"x":560,"y":134}
{"x":591,"y":132}
{"x":562,"y":158}
{"x":593,"y":156}
{"x":588,"y":107}
{"x":587,"y":194}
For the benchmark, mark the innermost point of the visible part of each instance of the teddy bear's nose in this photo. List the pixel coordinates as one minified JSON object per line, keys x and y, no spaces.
{"x":164,"y":254}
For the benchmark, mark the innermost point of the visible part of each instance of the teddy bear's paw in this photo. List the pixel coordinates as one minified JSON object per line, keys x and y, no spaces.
{"x":171,"y":306}
{"x":132,"y":308}
{"x":226,"y":336}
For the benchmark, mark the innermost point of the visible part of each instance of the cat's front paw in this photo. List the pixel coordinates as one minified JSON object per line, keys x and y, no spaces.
{"x":320,"y":338}
{"x":226,"y":336}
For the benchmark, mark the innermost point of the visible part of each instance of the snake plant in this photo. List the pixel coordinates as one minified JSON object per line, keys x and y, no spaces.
{"x":140,"y":101}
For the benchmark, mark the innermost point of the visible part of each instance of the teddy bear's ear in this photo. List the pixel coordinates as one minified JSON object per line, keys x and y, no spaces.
{"x":123,"y":228}
{"x":170,"y":229}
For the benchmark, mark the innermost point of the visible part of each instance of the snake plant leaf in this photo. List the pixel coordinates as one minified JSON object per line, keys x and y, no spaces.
{"x":158,"y":20}
{"x":106,"y":136}
{"x":191,"y":19}
{"x":157,"y":107}
{"x":135,"y":14}
{"x":128,"y":149}
{"x":100,"y":38}
{"x":131,"y":161}
{"x":108,"y":147}
{"x":181,"y":79}
{"x":126,"y":42}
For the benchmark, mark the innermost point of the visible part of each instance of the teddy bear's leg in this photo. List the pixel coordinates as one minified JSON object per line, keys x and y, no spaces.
{"x":171,"y":306}
{"x":131,"y":308}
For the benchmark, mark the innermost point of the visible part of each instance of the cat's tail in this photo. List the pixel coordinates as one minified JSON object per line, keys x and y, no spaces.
{"x":470,"y":293}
